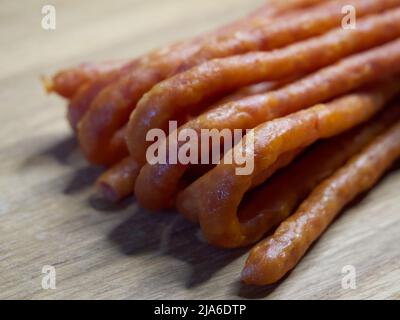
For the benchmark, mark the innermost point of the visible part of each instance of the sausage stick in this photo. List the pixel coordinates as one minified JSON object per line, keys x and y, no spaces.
{"x":157,"y":184}
{"x":118,"y":181}
{"x":274,"y":201}
{"x":168,"y":60}
{"x":180,"y":94}
{"x":217,"y":195}
{"x":67,"y":82}
{"x":111,"y":109}
{"x":272,"y":258}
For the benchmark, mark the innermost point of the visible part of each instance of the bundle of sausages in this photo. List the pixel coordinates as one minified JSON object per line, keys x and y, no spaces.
{"x":320,"y":100}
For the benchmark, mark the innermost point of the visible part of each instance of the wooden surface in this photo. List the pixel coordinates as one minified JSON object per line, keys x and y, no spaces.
{"x":49,"y":216}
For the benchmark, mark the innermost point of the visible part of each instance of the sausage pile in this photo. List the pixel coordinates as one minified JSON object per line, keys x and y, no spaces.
{"x":321,"y":101}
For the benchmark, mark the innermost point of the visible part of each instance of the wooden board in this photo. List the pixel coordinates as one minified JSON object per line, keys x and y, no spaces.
{"x":49,"y":216}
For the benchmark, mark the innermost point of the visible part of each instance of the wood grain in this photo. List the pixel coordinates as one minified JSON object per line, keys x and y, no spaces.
{"x":49,"y":215}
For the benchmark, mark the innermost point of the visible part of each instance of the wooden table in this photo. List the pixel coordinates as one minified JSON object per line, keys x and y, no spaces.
{"x":49,"y":215}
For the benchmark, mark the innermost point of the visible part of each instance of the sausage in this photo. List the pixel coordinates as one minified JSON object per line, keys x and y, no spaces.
{"x":67,"y":82}
{"x":169,"y":59}
{"x":272,"y":258}
{"x":247,"y":113}
{"x":111,"y":109}
{"x":216,"y":196}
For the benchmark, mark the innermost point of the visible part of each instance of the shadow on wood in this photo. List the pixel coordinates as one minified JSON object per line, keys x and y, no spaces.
{"x":169,"y":234}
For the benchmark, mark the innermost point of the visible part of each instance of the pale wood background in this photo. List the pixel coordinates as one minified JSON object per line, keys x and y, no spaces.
{"x":49,"y":216}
